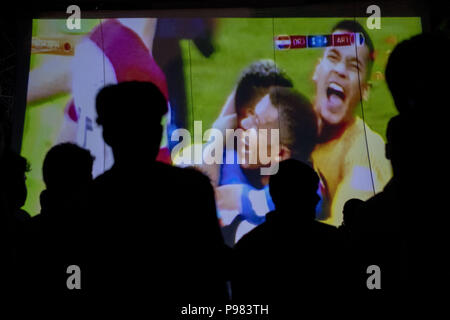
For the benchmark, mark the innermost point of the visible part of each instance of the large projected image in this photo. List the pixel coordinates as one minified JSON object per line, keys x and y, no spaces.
{"x":319,"y":82}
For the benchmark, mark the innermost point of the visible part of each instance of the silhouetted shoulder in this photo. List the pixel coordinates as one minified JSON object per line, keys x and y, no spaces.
{"x":323,"y":227}
{"x":192,"y":180}
{"x":383,"y":211}
{"x":191,"y":172}
{"x":104,"y":178}
{"x":256,"y":239}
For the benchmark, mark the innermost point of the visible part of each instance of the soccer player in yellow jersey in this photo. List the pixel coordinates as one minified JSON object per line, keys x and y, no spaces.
{"x":348,"y":167}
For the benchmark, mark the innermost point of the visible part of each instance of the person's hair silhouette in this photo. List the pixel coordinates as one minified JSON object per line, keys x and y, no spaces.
{"x":130,"y":113}
{"x":150,"y":217}
{"x":290,"y":252}
{"x":67,"y":173}
{"x":67,"y":166}
{"x":58,"y":232}
{"x":14,"y":175}
{"x":416,"y":76}
{"x":295,"y":184}
{"x":352,"y":208}
{"x":13,"y":219}
{"x":398,"y":145}
{"x":414,"y":73}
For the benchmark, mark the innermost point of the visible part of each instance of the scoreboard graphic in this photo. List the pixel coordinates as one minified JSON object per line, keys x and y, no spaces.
{"x":285,"y":42}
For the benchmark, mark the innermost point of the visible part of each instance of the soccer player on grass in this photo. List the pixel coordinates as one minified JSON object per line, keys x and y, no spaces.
{"x":116,"y":50}
{"x":230,"y":184}
{"x":349,"y":157}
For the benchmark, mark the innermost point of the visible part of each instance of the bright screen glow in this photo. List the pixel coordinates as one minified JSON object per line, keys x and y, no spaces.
{"x":198,"y":63}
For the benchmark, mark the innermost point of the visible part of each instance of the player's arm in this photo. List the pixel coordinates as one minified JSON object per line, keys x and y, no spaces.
{"x":54,"y":76}
{"x":145,"y":28}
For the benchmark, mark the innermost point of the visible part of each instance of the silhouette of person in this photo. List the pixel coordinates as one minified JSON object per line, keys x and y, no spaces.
{"x":4,"y":131}
{"x":55,"y":233}
{"x":13,"y":173}
{"x":67,"y":174}
{"x":400,"y":226}
{"x":422,"y":130}
{"x":155,"y":232}
{"x":291,"y":254}
{"x":381,"y":211}
{"x":14,"y":170}
{"x":352,"y":208}
{"x":407,"y":85}
{"x":6,"y":250}
{"x":378,"y":228}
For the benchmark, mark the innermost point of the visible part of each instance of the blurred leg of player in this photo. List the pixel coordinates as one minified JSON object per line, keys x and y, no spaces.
{"x":113,"y":52}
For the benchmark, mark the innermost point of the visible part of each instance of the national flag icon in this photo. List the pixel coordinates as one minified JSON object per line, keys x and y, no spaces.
{"x":359,"y":39}
{"x":282,"y":42}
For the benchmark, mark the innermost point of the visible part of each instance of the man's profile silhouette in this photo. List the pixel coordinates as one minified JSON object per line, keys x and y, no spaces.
{"x":155,"y":232}
{"x":290,"y":252}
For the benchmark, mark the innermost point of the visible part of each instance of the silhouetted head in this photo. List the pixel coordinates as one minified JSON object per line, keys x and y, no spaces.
{"x":13,"y":172}
{"x":415,"y":72}
{"x":352,"y":208}
{"x":67,"y":167}
{"x":254,"y":83}
{"x":402,"y":146}
{"x":294,"y":188}
{"x":130,"y":113}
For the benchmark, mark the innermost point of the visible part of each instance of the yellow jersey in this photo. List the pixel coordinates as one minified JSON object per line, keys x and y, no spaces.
{"x":343,"y":165}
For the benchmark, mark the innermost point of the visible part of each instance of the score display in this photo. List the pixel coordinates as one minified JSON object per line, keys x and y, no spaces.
{"x":285,"y":42}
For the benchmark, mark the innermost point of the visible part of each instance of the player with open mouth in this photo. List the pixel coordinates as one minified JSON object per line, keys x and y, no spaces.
{"x":342,"y":83}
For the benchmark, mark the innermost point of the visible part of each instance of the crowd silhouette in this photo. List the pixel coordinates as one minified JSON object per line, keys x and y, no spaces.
{"x":147,"y":232}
